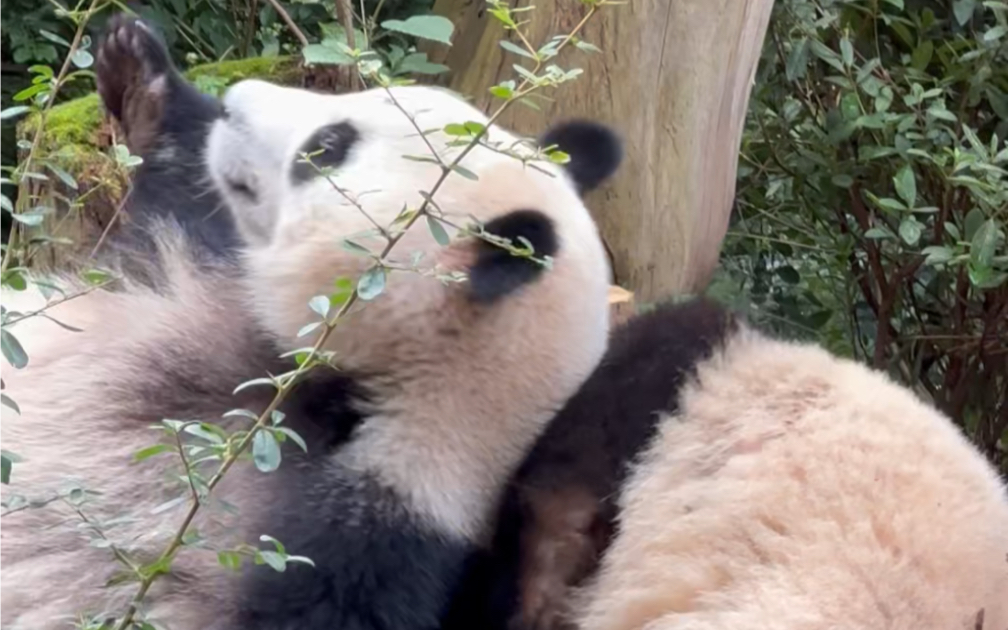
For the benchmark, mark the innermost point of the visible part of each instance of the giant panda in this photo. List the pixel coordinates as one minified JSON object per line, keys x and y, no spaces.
{"x":709,"y":476}
{"x":441,"y":387}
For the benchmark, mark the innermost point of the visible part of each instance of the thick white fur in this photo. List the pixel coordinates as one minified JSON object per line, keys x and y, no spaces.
{"x":464,"y":388}
{"x":798,"y":491}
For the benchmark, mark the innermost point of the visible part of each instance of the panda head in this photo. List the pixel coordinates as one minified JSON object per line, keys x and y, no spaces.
{"x":368,"y":163}
{"x":480,"y":364}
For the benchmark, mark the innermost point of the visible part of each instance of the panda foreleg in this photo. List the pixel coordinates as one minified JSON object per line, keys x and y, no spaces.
{"x":166,"y":121}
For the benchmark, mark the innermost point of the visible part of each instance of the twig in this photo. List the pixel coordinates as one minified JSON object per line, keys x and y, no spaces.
{"x":112,"y":221}
{"x":290,"y":22}
{"x":13,"y":320}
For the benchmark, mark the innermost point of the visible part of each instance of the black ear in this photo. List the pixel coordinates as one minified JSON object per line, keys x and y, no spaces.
{"x":595,"y":151}
{"x":497,"y":272}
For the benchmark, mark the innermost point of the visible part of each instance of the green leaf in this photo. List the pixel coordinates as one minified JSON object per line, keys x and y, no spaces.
{"x":12,"y":350}
{"x":207,"y":432}
{"x":355,"y":248}
{"x":936,"y":255}
{"x":265,"y":451}
{"x":5,"y":469}
{"x":963,"y":10}
{"x":371,"y":283}
{"x":7,"y":460}
{"x":906,"y":185}
{"x":896,"y":3}
{"x":974,"y":219}
{"x":276,"y":543}
{"x":64,"y":177}
{"x":952,"y":230}
{"x":150,"y":451}
{"x":229,"y":559}
{"x":82,"y":58}
{"x":15,"y":280}
{"x":456,"y":129}
{"x":503,"y":91}
{"x":437,"y":231}
{"x":95,"y":277}
{"x":319,"y":304}
{"x":11,"y":112}
{"x":910,"y":230}
{"x":322,"y":54}
{"x":432,"y":27}
{"x":888,"y":203}
{"x":518,"y":50}
{"x":308,"y":328}
{"x":53,"y":37}
{"x":984,"y":243}
{"x":255,"y":382}
{"x":29,"y":92}
{"x":8,"y":402}
{"x":297,"y":439}
{"x":847,"y":52}
{"x":941,"y":113}
{"x":464,"y":172}
{"x":842,"y":180}
{"x":922,"y":54}
{"x":474,"y":128}
{"x":29,"y":218}
{"x":275,"y":560}
{"x":418,"y":64}
{"x":995,"y":33}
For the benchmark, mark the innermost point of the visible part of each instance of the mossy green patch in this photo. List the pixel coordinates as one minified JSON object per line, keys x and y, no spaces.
{"x":68,"y":124}
{"x":224,"y":73}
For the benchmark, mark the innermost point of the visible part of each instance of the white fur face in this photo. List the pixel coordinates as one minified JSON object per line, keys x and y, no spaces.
{"x":477,"y":380}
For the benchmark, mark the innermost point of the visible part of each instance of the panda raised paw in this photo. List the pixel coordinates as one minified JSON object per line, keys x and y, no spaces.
{"x":133,"y":70}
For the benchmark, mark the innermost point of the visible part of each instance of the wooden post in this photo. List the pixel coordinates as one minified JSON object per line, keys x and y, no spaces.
{"x":674,"y":78}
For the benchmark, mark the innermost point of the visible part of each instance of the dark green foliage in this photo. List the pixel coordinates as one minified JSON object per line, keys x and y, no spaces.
{"x":873,"y":195}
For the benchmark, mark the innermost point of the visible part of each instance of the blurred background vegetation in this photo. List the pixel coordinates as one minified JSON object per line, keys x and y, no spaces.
{"x":872,"y":195}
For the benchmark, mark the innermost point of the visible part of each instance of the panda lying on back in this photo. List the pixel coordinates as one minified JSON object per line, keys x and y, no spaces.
{"x":441,"y":391}
{"x":708,"y":477}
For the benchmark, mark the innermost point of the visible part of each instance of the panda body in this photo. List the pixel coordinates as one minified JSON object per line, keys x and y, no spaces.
{"x":707,"y":476}
{"x":442,"y":387}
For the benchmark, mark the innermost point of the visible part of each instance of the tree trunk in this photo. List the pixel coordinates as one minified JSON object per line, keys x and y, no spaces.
{"x":674,"y":78}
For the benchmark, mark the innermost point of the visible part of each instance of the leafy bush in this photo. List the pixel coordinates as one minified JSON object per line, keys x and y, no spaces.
{"x":873,"y":194}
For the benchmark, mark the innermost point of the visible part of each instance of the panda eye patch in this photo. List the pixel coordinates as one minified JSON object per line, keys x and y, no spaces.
{"x":328,"y":147}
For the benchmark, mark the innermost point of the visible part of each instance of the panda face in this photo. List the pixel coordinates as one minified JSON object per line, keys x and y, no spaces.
{"x":466,"y":372}
{"x":365,"y":142}
{"x":367,"y":163}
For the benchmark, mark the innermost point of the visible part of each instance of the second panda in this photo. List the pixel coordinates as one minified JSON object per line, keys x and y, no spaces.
{"x":441,"y":390}
{"x":707,"y":476}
